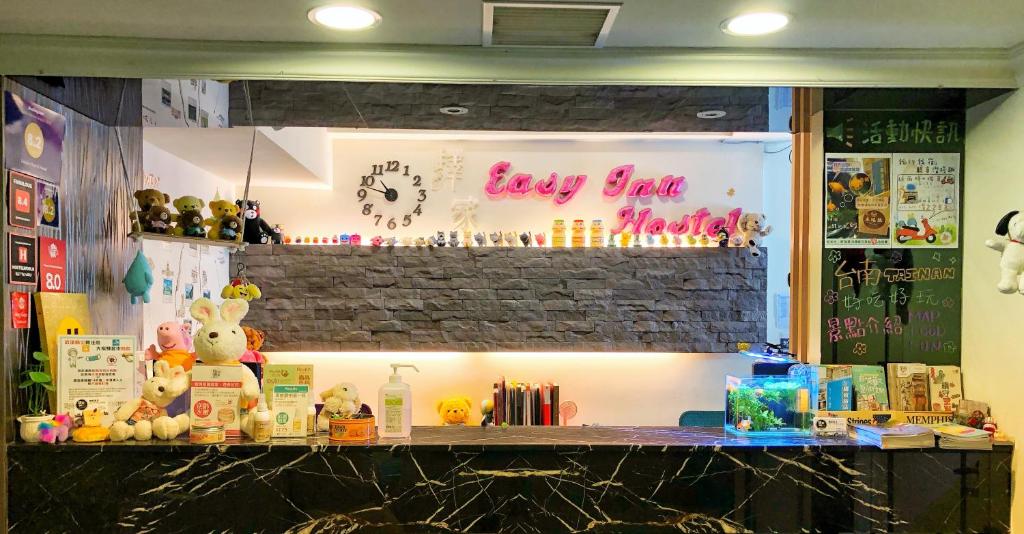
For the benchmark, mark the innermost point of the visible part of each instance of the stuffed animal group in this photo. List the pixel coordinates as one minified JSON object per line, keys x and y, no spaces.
{"x":154,"y":215}
{"x":1011,"y":266}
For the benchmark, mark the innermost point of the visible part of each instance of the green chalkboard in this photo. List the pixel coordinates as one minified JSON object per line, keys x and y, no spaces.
{"x":898,"y":304}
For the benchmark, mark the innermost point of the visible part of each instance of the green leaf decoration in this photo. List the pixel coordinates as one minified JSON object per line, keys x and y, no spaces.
{"x":48,"y":387}
{"x":39,"y":377}
{"x":25,"y":384}
{"x":41,"y":357}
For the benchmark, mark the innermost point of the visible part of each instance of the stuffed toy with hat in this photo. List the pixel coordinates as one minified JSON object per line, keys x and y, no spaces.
{"x":1011,"y":266}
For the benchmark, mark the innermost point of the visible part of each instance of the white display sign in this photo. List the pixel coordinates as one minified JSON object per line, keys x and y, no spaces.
{"x":95,"y":372}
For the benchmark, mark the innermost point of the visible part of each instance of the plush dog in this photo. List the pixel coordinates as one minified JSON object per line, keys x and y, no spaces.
{"x":752,"y":228}
{"x":146,"y":416}
{"x":1011,"y":266}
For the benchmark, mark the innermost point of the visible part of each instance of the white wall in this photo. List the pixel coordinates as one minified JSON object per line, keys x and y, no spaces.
{"x":166,"y":103}
{"x":993,"y":337}
{"x":609,"y":388}
{"x":177,"y":177}
{"x":310,"y":147}
{"x":712,"y":168}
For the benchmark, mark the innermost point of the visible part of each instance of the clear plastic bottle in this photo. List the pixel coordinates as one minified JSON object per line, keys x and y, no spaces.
{"x":579,"y":234}
{"x":394,"y":406}
{"x":262,"y":427}
{"x":558,"y":234}
{"x":596,"y":233}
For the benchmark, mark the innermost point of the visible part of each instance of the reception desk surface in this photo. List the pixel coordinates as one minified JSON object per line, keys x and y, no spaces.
{"x":472,"y":479}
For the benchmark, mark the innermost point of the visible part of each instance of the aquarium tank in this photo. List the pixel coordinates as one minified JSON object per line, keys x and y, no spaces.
{"x":768,"y":405}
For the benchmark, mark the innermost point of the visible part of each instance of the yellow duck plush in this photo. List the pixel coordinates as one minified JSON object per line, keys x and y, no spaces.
{"x":455,"y":410}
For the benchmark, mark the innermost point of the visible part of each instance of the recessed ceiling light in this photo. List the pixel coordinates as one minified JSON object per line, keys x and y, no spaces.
{"x":347,"y":18}
{"x":454,"y":110}
{"x":710,"y":114}
{"x":755,"y":24}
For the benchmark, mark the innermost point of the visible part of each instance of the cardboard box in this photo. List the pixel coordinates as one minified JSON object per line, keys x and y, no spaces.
{"x":216,"y":392}
{"x":289,"y":414}
{"x":275,"y":374}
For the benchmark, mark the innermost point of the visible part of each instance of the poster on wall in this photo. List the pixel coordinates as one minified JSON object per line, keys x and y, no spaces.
{"x":33,"y":138}
{"x":52,"y":264}
{"x":21,"y":253}
{"x":20,"y":310}
{"x":95,"y":372}
{"x":184,"y":272}
{"x":21,"y":206}
{"x":47,"y":204}
{"x":925,"y":209}
{"x":857,"y":200}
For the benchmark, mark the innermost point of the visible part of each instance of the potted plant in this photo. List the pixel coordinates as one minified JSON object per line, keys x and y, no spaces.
{"x":36,"y":383}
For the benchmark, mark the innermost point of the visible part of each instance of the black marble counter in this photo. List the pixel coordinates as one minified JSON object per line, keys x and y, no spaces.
{"x":471,"y":479}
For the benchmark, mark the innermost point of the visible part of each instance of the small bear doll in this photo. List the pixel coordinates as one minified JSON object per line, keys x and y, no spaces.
{"x":229,"y":229}
{"x":190,"y":224}
{"x":157,"y":220}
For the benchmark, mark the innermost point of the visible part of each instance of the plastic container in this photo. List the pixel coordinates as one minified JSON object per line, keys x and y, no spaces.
{"x":558,"y":233}
{"x":394,"y":406}
{"x":768,"y":405}
{"x":351,"y":429}
{"x":596,"y":233}
{"x":262,"y":426}
{"x":206,"y":433}
{"x":579,"y":234}
{"x":311,"y":417}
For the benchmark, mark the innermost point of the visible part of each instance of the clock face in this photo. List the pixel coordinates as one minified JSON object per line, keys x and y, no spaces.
{"x":391,"y":196}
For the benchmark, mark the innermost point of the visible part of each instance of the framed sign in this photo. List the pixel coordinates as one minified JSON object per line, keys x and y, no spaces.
{"x":48,"y":204}
{"x":21,"y":205}
{"x":52,"y":264}
{"x":95,"y":372}
{"x":33,"y":138}
{"x":22,"y":264}
{"x":20,"y":310}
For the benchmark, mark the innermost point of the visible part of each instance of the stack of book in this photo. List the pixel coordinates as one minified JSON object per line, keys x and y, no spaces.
{"x":960,"y":437}
{"x":525,"y":403}
{"x":894,"y":436}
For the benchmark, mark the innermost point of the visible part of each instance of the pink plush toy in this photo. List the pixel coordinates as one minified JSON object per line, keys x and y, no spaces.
{"x":175,"y":346}
{"x":56,"y":430}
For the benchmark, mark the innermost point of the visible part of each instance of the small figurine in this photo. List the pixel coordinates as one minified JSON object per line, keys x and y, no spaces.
{"x":525,"y":238}
{"x":440,"y":239}
{"x":275,"y":234}
{"x":453,"y":238}
{"x":677,"y":240}
{"x":390,"y":242}
{"x":753,"y":227}
{"x":487,"y":411}
{"x":625,"y":238}
{"x":611,"y":240}
{"x":540,"y":239}
{"x":316,"y":240}
{"x":664,"y":240}
{"x":510,"y":239}
{"x":989,"y":426}
{"x":420,"y":242}
{"x":454,"y":410}
{"x":650,"y":240}
{"x":355,"y":240}
{"x":92,"y":428}
{"x":376,"y":241}
{"x":306,"y":240}
{"x":704,"y":240}
{"x":334,"y":240}
{"x":723,"y":238}
{"x":480,"y":238}
{"x":691,"y":240}
{"x":496,"y":238}
{"x":407,"y":241}
{"x":344,"y":239}
{"x":287,"y":240}
{"x":636,"y":240}
{"x":431,"y":242}
{"x":467,"y":237}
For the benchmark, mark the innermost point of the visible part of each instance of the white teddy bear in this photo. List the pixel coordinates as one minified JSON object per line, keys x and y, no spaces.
{"x":221,"y":341}
{"x":145,"y":417}
{"x":752,"y":227}
{"x":342,"y":399}
{"x":1012,"y":263}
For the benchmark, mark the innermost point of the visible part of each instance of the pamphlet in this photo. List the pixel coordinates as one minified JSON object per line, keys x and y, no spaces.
{"x":291,"y":402}
{"x":216,"y":392}
{"x":95,"y":372}
{"x":274,"y":374}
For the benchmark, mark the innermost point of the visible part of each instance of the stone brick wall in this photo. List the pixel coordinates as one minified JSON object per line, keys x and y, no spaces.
{"x":340,"y":298}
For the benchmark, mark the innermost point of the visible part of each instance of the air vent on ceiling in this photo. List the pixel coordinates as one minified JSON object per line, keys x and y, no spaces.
{"x":547,"y":24}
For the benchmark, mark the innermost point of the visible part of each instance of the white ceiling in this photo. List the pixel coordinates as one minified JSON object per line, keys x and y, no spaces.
{"x":641,"y":23}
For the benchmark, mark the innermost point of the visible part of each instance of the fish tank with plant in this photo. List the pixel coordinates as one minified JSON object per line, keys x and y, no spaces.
{"x":768,"y":405}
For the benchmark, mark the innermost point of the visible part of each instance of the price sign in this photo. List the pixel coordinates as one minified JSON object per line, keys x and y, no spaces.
{"x":33,"y":138}
{"x":52,"y":264}
{"x":21,"y":251}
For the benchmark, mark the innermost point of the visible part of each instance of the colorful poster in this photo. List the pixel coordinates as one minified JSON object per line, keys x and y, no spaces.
{"x":95,"y":372}
{"x":21,"y":251}
{"x":52,"y":264}
{"x":33,"y":138}
{"x":21,"y":209}
{"x":47,"y":204}
{"x":857,"y":203}
{"x":925,"y":209}
{"x":20,"y":310}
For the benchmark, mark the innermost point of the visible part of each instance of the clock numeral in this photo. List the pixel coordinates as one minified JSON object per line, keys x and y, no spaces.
{"x":377,"y":216}
{"x":391,"y":224}
{"x":392,"y":166}
{"x":367,"y":209}
{"x":423,"y":195}
{"x":361,"y":194}
{"x":368,"y":181}
{"x":378,"y":170}
{"x":406,"y":173}
{"x":418,"y":211}
{"x":416,"y":180}
{"x":407,"y":220}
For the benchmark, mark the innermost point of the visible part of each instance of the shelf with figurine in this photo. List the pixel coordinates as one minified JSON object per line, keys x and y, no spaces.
{"x":228,"y":224}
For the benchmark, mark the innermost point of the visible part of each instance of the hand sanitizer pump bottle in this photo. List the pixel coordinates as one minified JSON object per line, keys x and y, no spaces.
{"x":394,"y":406}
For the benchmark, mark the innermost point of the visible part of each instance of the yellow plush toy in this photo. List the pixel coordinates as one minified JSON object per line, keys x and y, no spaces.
{"x":221,"y":209}
{"x":455,"y":410}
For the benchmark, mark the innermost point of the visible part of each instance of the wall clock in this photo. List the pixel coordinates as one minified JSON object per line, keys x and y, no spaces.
{"x":390,"y":196}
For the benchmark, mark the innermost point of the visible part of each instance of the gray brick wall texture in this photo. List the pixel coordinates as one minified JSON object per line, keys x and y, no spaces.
{"x":340,"y":298}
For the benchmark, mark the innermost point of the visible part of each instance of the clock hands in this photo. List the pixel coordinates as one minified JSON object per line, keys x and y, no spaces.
{"x":390,"y":194}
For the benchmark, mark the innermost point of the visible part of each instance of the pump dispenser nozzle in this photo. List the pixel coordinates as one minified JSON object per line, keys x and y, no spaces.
{"x":395,"y":377}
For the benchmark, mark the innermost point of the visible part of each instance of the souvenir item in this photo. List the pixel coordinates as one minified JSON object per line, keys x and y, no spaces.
{"x":175,"y":346}
{"x":190,"y":224}
{"x":92,"y":429}
{"x":157,"y":220}
{"x":257,"y":231}
{"x":439,"y":240}
{"x":664,"y":240}
{"x":146,"y":416}
{"x":146,"y":199}
{"x":636,"y":240}
{"x":1011,"y":266}
{"x":220,"y":209}
{"x":480,"y":239}
{"x":558,"y":233}
{"x":229,"y":229}
{"x":138,"y":279}
{"x":56,"y":431}
{"x":391,"y":241}
{"x":496,"y":238}
{"x":705,"y":241}
{"x":723,"y":238}
{"x":455,"y":411}
{"x":420,"y":242}
{"x":510,"y":239}
{"x":579,"y":231}
{"x":376,"y":241}
{"x":650,"y":240}
{"x":453,"y":238}
{"x":407,"y":241}
{"x":276,"y":234}
{"x":344,"y":239}
{"x":612,"y":239}
{"x":752,"y":227}
{"x":540,"y":239}
{"x":691,"y":240}
{"x":624,"y":238}
{"x":525,"y":238}
{"x":355,"y":240}
{"x":677,"y":240}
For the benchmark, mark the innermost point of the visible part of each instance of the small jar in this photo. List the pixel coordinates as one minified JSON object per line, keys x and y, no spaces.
{"x":579,"y":233}
{"x":558,"y":234}
{"x":596,"y":233}
{"x":206,"y":433}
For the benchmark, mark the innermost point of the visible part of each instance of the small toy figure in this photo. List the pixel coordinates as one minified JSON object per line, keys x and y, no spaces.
{"x":257,"y":230}
{"x":229,"y":229}
{"x":496,"y":238}
{"x":391,"y":242}
{"x":316,"y":240}
{"x":376,"y":241}
{"x":664,"y":240}
{"x":525,"y":237}
{"x":989,"y":426}
{"x":344,"y":239}
{"x":407,"y":241}
{"x":636,"y":240}
{"x":540,"y":239}
{"x":612,"y":238}
{"x":92,"y":428}
{"x":275,"y":234}
{"x":677,"y":240}
{"x":146,"y":416}
{"x":624,"y":238}
{"x":342,"y":400}
{"x":238,"y":288}
{"x":175,"y":346}
{"x":453,"y":238}
{"x":753,"y":228}
{"x":287,"y":240}
{"x":723,"y":238}
{"x":56,"y":431}
{"x":691,"y":240}
{"x":147,"y":198}
{"x":219,"y":207}
{"x":487,"y":412}
{"x":454,"y":411}
{"x":254,"y":339}
{"x":510,"y":239}
{"x":1011,"y":250}
{"x":704,"y":240}
{"x":157,"y":220}
{"x":420,"y":242}
{"x":356,"y":240}
{"x":439,"y":240}
{"x":480,"y":238}
{"x":138,"y":279}
{"x":650,"y":240}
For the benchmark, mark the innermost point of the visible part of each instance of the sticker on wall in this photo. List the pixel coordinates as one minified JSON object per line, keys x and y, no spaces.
{"x":168,"y":291}
{"x":189,"y":292}
{"x":33,"y":138}
{"x":449,"y":169}
{"x":47,"y":204}
{"x":22,"y":265}
{"x":857,"y":201}
{"x":925,"y":209}
{"x":21,"y":209}
{"x":20,"y":310}
{"x":52,"y":264}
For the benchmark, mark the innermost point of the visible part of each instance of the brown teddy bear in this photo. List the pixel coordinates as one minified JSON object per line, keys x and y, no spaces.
{"x":229,"y":229}
{"x":157,"y":220}
{"x":147,"y":198}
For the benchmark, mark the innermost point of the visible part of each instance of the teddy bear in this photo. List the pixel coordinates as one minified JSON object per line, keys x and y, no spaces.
{"x":147,"y":198}
{"x":146,"y":416}
{"x":228,"y":229}
{"x":341,"y":400}
{"x":221,"y":341}
{"x":454,"y":410}
{"x":1011,"y":266}
{"x":157,"y":220}
{"x":257,"y":230}
{"x":752,"y":228}
{"x":220,"y":209}
{"x":190,"y":218}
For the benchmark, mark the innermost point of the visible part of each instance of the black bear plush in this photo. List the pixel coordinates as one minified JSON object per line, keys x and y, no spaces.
{"x":257,"y":231}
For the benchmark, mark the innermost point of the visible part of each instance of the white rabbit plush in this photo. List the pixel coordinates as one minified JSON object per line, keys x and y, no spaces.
{"x":1012,"y":264}
{"x":752,"y":228}
{"x":146,"y":416}
{"x":221,"y":341}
